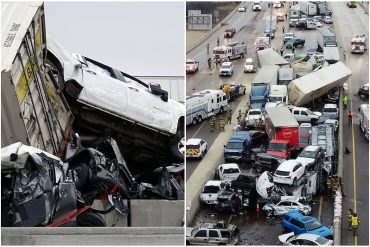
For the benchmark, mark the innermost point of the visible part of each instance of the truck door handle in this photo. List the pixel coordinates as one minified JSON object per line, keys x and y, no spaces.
{"x":134,"y":89}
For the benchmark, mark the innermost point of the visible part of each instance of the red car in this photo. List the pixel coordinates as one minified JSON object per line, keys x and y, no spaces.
{"x":280,"y":18}
{"x":192,"y":66}
{"x":229,"y":33}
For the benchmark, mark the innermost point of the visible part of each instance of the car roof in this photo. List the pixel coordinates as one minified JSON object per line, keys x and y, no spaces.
{"x":249,"y":59}
{"x":288,"y":165}
{"x":330,"y":106}
{"x":193,"y":141}
{"x":230,"y":165}
{"x":226,"y":63}
{"x":311,"y":148}
{"x":213,"y":183}
{"x":308,"y":236}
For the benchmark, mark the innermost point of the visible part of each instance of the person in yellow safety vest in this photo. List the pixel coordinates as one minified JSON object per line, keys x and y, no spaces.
{"x":355,"y":224}
{"x":345,"y":102}
{"x":349,"y":218}
{"x":229,"y":116}
{"x":212,"y":123}
{"x":222,"y":125}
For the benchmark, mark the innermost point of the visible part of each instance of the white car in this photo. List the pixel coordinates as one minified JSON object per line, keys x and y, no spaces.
{"x":228,"y":172}
{"x":195,"y":148}
{"x":289,"y":172}
{"x":277,"y":4}
{"x":289,"y":57}
{"x":317,"y":23}
{"x":256,"y":6}
{"x":288,"y":36}
{"x":302,"y":114}
{"x":285,"y":205}
{"x":226,"y":69}
{"x":311,"y":156}
{"x":328,"y":20}
{"x":249,"y":66}
{"x":242,"y":9}
{"x":304,"y":239}
{"x":331,"y":110}
{"x":142,"y":118}
{"x":254,"y":115}
{"x":210,"y":192}
{"x":192,"y":66}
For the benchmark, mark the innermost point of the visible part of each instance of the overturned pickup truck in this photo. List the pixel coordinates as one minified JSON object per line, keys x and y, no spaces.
{"x":110,"y":102}
{"x":38,"y":189}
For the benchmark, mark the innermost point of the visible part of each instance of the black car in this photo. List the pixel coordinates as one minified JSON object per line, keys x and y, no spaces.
{"x":301,"y":24}
{"x":267,"y":162}
{"x":296,"y":42}
{"x":333,"y":95}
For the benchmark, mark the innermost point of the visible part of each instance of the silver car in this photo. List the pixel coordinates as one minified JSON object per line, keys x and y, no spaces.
{"x":213,"y":234}
{"x":284,"y":206}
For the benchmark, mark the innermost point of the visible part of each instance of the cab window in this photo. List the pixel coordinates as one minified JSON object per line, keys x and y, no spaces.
{"x":201,"y":234}
{"x":225,"y":234}
{"x":213,"y":234}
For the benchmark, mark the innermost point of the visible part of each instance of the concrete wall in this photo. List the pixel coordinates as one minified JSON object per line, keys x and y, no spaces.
{"x":92,"y":236}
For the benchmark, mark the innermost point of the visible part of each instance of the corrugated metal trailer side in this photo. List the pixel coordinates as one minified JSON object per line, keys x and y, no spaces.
{"x":33,"y":109}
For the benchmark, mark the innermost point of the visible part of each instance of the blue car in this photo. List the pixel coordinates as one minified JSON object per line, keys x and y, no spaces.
{"x":294,"y":221}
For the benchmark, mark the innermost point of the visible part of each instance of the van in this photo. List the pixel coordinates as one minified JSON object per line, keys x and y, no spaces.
{"x":249,"y":66}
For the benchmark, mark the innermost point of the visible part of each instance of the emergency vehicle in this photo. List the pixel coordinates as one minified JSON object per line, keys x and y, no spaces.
{"x":358,"y":44}
{"x":230,"y":51}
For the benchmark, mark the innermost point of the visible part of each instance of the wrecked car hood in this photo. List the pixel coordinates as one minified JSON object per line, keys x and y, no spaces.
{"x":283,"y":238}
{"x":264,"y":182}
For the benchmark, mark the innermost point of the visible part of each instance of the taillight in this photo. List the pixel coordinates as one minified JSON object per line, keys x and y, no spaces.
{"x":197,"y":150}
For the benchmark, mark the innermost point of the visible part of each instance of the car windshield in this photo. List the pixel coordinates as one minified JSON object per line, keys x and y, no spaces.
{"x":330,"y":109}
{"x":248,"y":63}
{"x":277,"y":147}
{"x":275,"y":98}
{"x":254,"y":113}
{"x":321,"y":240}
{"x":211,"y":189}
{"x":192,"y":146}
{"x":282,"y":173}
{"x":307,"y":154}
{"x":310,"y":112}
{"x":194,"y":231}
{"x":313,"y":225}
{"x":225,"y":66}
{"x":235,"y":145}
{"x":190,"y":62}
{"x":231,"y":170}
{"x":228,"y":30}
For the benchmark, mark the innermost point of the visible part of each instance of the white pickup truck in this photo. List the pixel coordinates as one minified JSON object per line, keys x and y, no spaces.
{"x":145,"y":122}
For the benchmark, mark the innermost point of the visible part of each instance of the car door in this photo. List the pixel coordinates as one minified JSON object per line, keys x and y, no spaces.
{"x":298,"y":170}
{"x":282,"y":208}
{"x":298,"y":227}
{"x":297,"y":115}
{"x":213,"y":237}
{"x":200,"y":237}
{"x":305,"y":116}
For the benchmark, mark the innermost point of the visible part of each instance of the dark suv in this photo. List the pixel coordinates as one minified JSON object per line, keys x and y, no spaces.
{"x":295,"y":42}
{"x":267,"y":162}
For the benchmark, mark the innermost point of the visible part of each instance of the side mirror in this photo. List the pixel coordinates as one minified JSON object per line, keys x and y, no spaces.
{"x":155,"y":89}
{"x":224,"y":146}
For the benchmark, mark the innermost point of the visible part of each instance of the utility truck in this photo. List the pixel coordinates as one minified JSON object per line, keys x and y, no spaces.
{"x":230,"y":51}
{"x":203,"y":104}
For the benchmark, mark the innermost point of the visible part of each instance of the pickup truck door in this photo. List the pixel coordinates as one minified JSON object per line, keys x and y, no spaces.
{"x":200,"y":237}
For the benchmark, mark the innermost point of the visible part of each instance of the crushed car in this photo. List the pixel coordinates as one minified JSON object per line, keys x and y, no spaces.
{"x":286,"y":204}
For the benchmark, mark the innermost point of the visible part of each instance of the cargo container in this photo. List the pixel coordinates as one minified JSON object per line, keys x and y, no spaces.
{"x":33,"y":109}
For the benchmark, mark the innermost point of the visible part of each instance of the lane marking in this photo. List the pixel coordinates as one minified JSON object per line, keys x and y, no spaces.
{"x":199,"y":128}
{"x":320,"y":208}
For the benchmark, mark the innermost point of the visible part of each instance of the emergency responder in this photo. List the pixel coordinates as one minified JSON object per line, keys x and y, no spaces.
{"x":286,"y":16}
{"x":216,"y":62}
{"x":283,"y":29}
{"x":222,"y":124}
{"x":340,"y":181}
{"x":349,"y":115}
{"x":281,"y":50}
{"x":293,"y":48}
{"x":209,"y":63}
{"x":208,"y":48}
{"x":345,"y":102}
{"x":218,"y":41}
{"x":240,"y":114}
{"x":355,"y":224}
{"x":238,"y":120}
{"x":229,"y":116}
{"x":212,"y":122}
{"x":349,"y":219}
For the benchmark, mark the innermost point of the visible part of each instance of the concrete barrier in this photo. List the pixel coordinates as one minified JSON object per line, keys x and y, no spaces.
{"x":92,"y":236}
{"x":157,"y":213}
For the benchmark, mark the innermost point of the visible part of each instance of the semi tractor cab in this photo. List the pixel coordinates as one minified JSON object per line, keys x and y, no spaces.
{"x":358,"y":44}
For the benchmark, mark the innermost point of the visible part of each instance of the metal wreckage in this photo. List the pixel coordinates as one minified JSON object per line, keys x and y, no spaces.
{"x":38,"y":189}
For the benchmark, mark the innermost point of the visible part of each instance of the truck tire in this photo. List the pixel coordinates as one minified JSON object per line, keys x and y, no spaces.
{"x":194,"y":122}
{"x":221,"y":110}
{"x":200,"y":118}
{"x":259,"y":169}
{"x":176,"y":143}
{"x":241,"y":55}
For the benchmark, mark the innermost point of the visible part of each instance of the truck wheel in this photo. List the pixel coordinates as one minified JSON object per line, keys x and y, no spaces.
{"x":221,"y":110}
{"x":200,"y":119}
{"x":241,"y":55}
{"x":295,"y":181}
{"x":194,"y":122}
{"x":187,"y":242}
{"x":90,"y":219}
{"x":177,"y":143}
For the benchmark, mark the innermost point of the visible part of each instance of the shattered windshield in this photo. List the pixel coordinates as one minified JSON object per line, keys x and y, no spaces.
{"x":211,"y":189}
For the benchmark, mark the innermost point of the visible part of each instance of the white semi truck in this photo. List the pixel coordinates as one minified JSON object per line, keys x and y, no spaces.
{"x":364,"y":120}
{"x":316,"y":84}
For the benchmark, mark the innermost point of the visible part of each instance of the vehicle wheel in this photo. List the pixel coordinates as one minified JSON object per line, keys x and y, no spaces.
{"x":241,"y":55}
{"x":221,"y":110}
{"x":83,"y":174}
{"x":177,"y":144}
{"x":286,"y":229}
{"x":187,"y":242}
{"x":200,"y":119}
{"x":295,"y":181}
{"x":90,"y":219}
{"x":202,"y":155}
{"x":259,"y":169}
{"x":244,"y":92}
{"x":194,"y":122}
